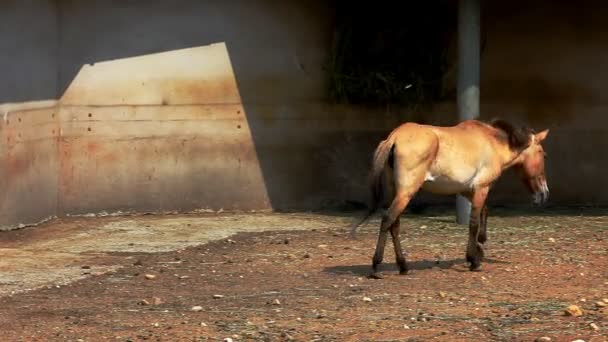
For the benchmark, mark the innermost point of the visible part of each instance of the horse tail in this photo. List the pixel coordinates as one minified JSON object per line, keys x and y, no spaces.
{"x":382,"y":155}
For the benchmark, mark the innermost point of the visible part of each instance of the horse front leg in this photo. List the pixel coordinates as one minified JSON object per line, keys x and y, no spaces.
{"x":475,"y":251}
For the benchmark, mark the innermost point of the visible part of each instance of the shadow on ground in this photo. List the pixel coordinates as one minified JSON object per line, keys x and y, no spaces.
{"x":420,"y":265}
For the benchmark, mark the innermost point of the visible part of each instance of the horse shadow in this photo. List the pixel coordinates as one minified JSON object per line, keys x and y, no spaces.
{"x":418,"y":265}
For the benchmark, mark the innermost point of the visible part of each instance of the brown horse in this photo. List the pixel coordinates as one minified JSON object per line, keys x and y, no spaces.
{"x":464,"y":159}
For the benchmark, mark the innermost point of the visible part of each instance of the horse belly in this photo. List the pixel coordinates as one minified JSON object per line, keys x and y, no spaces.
{"x":443,"y":185}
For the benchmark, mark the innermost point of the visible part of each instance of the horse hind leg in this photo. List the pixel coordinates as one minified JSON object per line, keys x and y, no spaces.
{"x":379,"y":253}
{"x":482,"y":237}
{"x":399,"y":257}
{"x":409,"y":171}
{"x":389,"y":221}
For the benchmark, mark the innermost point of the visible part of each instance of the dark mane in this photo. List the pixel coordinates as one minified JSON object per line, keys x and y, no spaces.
{"x":518,"y":136}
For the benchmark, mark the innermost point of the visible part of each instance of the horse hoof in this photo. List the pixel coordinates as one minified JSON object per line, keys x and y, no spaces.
{"x":403,"y":272}
{"x":475,"y":268}
{"x":375,"y":275}
{"x":471,"y":261}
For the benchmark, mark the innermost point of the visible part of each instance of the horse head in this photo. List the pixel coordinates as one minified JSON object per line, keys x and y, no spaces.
{"x":529,"y":162}
{"x":530,"y":166}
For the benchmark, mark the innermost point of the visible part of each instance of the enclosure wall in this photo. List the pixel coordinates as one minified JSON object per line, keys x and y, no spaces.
{"x":181,"y":105}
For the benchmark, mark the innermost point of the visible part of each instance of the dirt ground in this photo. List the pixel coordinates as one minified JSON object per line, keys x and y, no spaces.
{"x":280,"y":277}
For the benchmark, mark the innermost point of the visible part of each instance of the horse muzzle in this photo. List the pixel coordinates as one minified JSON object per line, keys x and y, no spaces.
{"x":540,"y":197}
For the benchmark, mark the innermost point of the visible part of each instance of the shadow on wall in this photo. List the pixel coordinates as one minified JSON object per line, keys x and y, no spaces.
{"x":29,"y":59}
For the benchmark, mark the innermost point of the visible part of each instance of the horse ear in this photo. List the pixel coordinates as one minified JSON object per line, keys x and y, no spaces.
{"x":541,"y":135}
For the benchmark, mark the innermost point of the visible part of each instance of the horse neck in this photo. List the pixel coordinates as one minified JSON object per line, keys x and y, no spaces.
{"x":507,"y":156}
{"x":511,"y":158}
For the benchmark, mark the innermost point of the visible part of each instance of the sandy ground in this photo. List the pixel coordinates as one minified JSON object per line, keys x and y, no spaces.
{"x":53,"y":254}
{"x":277,"y":277}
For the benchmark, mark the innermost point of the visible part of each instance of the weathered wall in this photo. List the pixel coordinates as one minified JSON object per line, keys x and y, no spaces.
{"x":252,"y":116}
{"x":29,"y":165}
{"x":276,"y":47}
{"x":206,"y":104}
{"x":160,"y":132}
{"x":28,"y":130}
{"x":188,"y":104}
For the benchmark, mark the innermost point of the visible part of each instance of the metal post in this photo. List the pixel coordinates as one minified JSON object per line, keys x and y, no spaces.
{"x":468,"y":78}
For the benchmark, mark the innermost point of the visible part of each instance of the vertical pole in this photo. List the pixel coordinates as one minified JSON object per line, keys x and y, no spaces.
{"x":468,"y":78}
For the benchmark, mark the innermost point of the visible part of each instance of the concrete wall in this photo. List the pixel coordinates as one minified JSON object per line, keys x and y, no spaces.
{"x":186,"y":104}
{"x":249,"y":99}
{"x":29,"y":164}
{"x":180,"y":105}
{"x":161,"y":132}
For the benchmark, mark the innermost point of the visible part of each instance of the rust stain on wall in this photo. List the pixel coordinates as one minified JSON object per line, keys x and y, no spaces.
{"x":158,"y":158}
{"x":171,"y":136}
{"x":188,"y":91}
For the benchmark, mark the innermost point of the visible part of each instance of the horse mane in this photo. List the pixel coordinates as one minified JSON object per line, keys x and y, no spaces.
{"x":518,"y":137}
